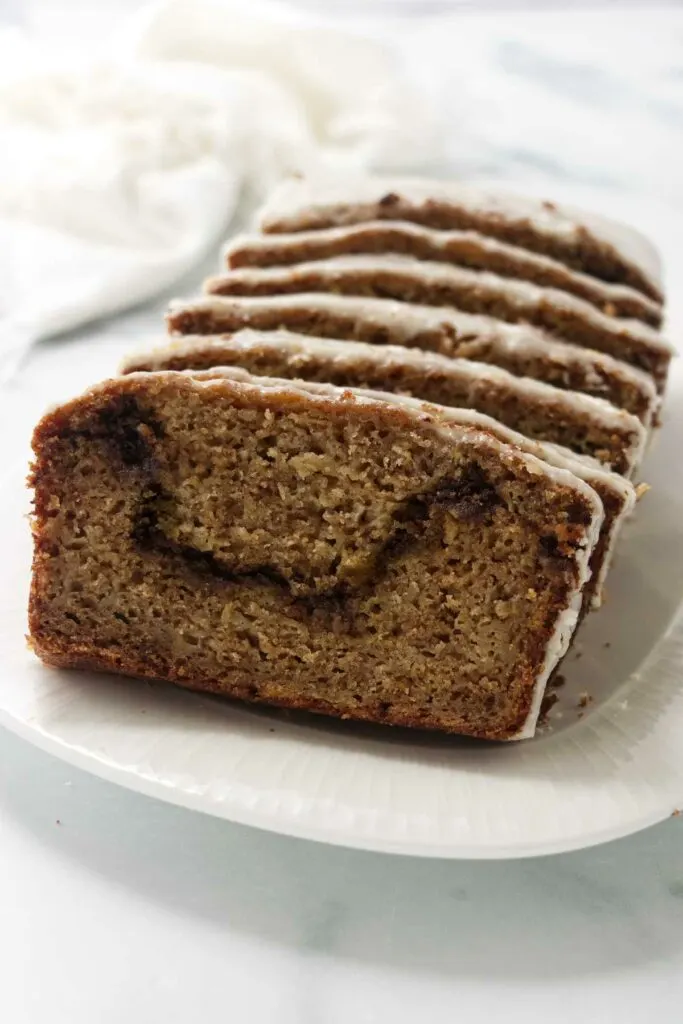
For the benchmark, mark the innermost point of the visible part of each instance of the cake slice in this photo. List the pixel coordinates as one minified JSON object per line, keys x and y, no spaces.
{"x":330,"y":552}
{"x":522,"y":350}
{"x":586,"y":425}
{"x":593,"y":245}
{"x":473,"y":291}
{"x":463,"y":248}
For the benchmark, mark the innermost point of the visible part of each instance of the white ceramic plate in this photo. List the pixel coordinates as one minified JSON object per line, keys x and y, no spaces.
{"x":595,"y":774}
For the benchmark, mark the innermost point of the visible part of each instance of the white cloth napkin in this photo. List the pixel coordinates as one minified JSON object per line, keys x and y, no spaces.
{"x":124,"y":167}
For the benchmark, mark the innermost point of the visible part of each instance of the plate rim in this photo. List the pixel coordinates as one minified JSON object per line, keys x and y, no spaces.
{"x":279,"y":823}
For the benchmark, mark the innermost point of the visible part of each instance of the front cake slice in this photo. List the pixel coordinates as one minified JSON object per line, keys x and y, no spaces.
{"x":330,"y":552}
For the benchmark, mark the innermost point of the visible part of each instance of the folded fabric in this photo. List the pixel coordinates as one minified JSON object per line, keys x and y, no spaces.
{"x":127,"y":166}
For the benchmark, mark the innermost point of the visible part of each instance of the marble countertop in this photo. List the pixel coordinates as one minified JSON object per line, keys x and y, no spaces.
{"x":118,"y":908}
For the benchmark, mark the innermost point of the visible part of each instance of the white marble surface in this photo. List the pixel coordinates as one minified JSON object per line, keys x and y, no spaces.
{"x":116,"y":908}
